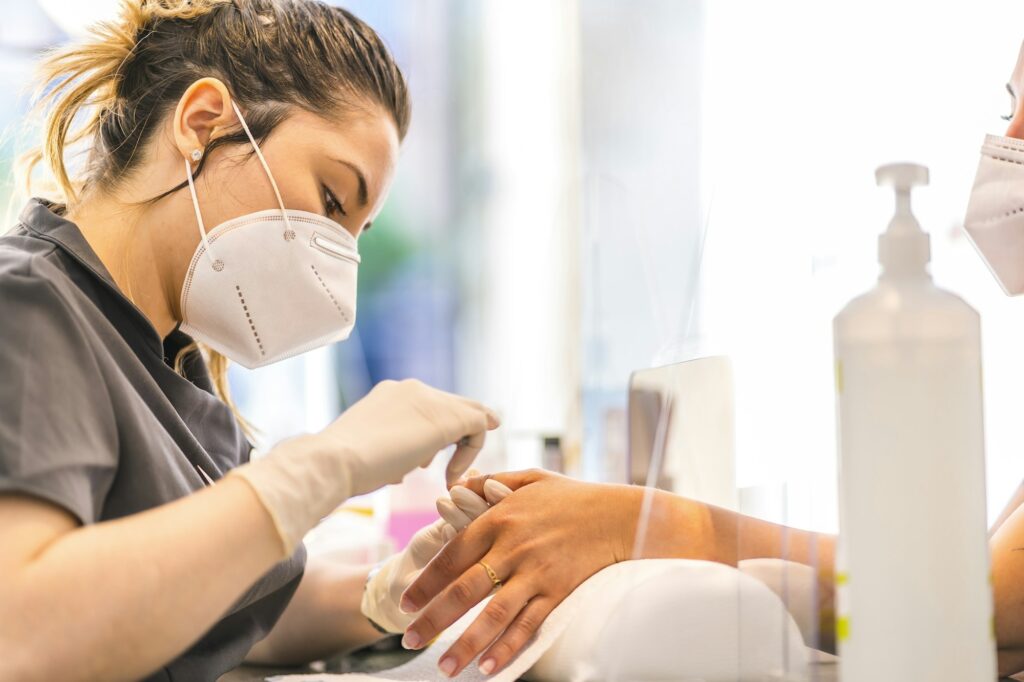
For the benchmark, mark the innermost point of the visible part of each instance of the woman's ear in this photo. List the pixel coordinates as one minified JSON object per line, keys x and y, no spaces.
{"x":204,"y":107}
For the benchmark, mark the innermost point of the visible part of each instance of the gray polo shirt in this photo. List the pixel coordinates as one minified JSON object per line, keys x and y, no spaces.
{"x":94,"y":418}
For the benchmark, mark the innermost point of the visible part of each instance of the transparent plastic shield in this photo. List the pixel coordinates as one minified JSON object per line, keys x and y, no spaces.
{"x":756,"y":621}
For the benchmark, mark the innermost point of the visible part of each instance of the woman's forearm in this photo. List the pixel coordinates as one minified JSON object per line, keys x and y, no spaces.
{"x":683,"y":528}
{"x":323,"y":618}
{"x":118,"y":599}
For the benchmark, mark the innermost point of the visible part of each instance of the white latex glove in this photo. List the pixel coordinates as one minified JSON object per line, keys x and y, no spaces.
{"x":465,"y":505}
{"x":397,"y":427}
{"x":386,"y":584}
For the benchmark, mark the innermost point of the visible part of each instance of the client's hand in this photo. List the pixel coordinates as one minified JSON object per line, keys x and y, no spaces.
{"x":541,"y":542}
{"x":388,"y":581}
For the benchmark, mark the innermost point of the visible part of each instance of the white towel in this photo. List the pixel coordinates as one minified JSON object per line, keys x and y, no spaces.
{"x":640,"y":620}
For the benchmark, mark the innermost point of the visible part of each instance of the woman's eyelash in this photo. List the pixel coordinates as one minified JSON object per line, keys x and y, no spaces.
{"x":331,"y":203}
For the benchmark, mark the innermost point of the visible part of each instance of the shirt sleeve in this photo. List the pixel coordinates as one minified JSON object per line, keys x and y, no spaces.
{"x":58,"y":436}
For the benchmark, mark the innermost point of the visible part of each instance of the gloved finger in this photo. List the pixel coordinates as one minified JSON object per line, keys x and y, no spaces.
{"x":469,"y":447}
{"x":452,"y":514}
{"x":495,"y":491}
{"x":493,"y":421}
{"x":472,"y":472}
{"x":448,"y":533}
{"x":514,"y":480}
{"x":468,"y":501}
{"x":427,"y":542}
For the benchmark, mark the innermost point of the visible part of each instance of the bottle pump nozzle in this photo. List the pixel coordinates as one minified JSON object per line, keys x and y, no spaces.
{"x":904,"y":248}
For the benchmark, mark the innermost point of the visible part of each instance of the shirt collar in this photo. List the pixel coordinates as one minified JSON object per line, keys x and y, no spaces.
{"x":41,"y":218}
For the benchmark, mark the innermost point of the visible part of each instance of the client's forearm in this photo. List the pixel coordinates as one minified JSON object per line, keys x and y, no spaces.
{"x":682,"y":528}
{"x":744,"y":538}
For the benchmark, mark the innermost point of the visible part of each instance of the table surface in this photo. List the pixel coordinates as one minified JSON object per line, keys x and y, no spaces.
{"x":376,"y":662}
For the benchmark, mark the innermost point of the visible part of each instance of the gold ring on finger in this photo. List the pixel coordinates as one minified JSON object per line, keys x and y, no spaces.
{"x":495,"y":580}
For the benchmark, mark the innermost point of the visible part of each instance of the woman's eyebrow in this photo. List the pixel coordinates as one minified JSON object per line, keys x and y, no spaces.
{"x":363,"y":193}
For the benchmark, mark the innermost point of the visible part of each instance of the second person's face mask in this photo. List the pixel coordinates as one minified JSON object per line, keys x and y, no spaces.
{"x":995,"y":214}
{"x":268,"y":285}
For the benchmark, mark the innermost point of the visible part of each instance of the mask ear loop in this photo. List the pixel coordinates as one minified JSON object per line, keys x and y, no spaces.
{"x":216,"y":263}
{"x":289,"y":234}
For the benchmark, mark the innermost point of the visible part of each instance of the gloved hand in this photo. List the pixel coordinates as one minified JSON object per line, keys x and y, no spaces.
{"x":395,"y":428}
{"x":387,"y":583}
{"x":465,"y":505}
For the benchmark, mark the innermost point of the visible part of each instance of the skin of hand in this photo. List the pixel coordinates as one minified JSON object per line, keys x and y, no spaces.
{"x":527,"y":551}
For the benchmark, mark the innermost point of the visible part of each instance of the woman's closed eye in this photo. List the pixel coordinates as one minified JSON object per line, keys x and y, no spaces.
{"x":331,"y":204}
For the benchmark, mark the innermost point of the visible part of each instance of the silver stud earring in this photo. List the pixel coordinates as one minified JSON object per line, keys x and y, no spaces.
{"x":197,"y":154}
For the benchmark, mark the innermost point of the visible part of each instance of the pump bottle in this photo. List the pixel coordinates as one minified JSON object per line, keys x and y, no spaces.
{"x":912,"y":582}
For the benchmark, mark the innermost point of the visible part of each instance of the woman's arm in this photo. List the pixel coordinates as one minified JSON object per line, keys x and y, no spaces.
{"x":525,"y":539}
{"x":118,"y":599}
{"x":734,"y":537}
{"x":1007,"y":556}
{"x":323,"y":618}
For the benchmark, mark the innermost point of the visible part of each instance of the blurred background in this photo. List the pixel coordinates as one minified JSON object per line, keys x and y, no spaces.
{"x":591,"y":187}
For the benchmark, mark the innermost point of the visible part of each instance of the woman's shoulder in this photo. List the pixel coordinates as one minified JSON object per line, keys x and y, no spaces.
{"x":31,"y":275}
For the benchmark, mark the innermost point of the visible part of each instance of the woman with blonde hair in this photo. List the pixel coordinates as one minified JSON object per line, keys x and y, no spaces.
{"x":234,"y":151}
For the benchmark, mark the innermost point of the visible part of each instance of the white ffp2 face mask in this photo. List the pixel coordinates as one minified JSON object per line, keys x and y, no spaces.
{"x":995,"y":214}
{"x":269,"y":285}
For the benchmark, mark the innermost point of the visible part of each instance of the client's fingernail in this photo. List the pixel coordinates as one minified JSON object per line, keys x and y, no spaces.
{"x":410,"y":640}
{"x":407,"y":605}
{"x":447,"y":666}
{"x":487,"y":667}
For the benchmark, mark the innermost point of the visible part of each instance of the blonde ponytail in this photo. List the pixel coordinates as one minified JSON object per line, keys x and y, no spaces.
{"x":84,"y":79}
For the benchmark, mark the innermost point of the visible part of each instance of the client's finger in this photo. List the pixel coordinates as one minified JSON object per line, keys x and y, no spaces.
{"x":495,"y":491}
{"x":469,"y":547}
{"x":451,"y":513}
{"x":468,"y":501}
{"x":463,"y":594}
{"x":516,"y":635}
{"x":499,"y":613}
